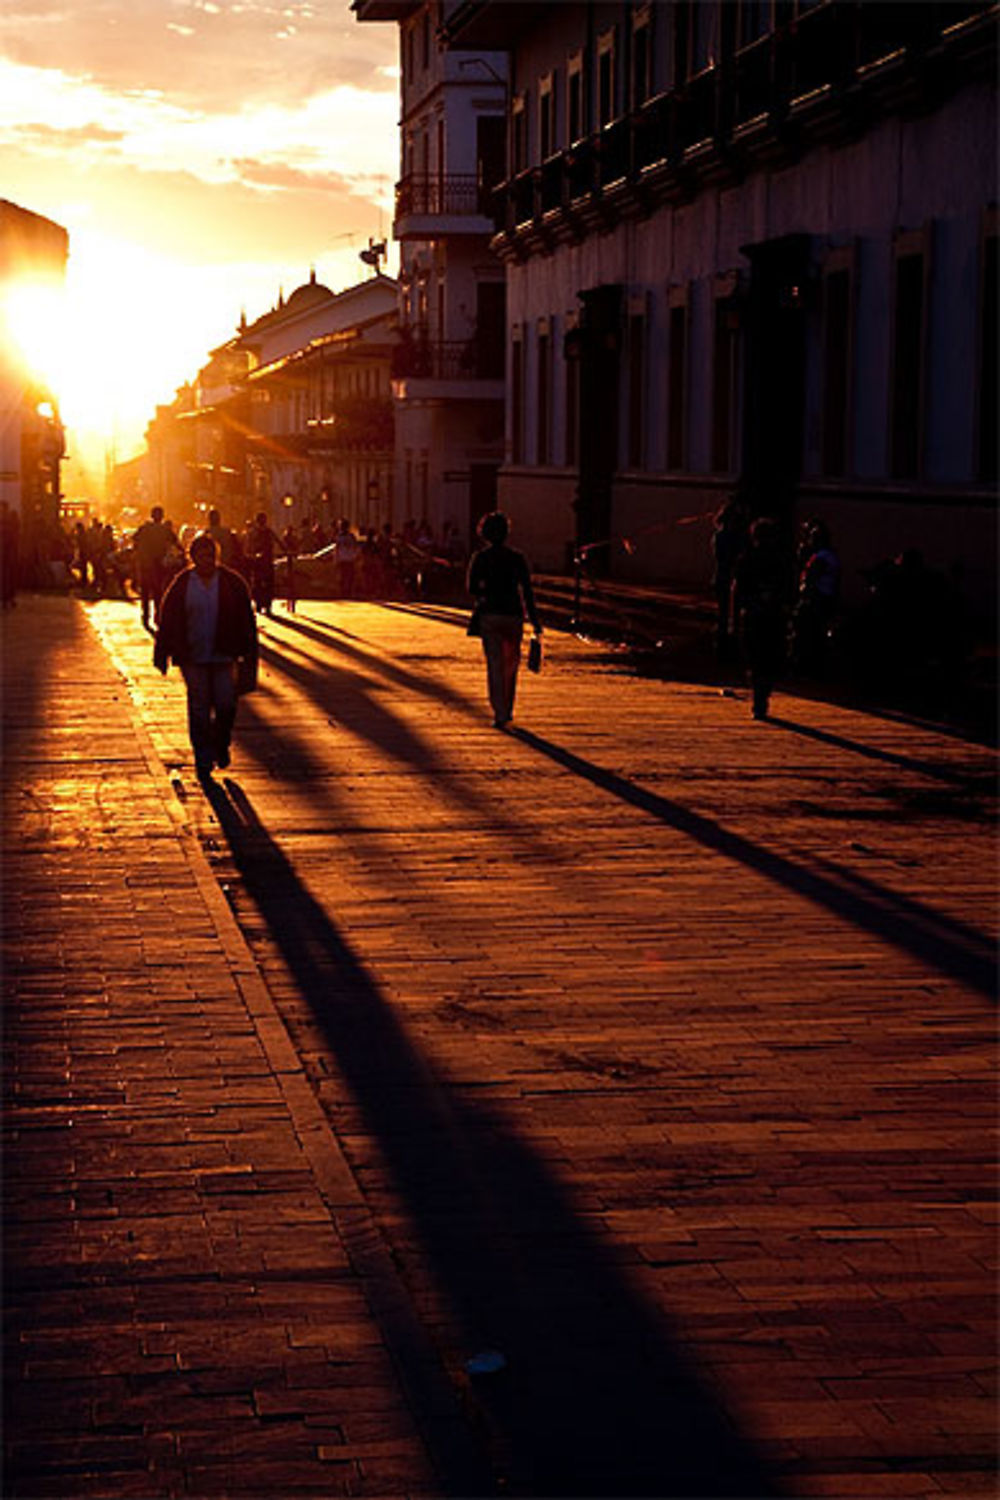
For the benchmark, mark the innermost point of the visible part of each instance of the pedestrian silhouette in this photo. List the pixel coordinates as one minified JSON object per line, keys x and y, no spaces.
{"x":207,"y":625}
{"x":760,"y":598}
{"x":152,"y":542}
{"x":500,"y":583}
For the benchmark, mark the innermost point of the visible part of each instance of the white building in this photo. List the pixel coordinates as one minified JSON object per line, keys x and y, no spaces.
{"x":750,"y":244}
{"x":449,"y":386}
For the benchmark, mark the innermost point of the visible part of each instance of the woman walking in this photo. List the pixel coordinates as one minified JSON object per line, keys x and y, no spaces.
{"x":500,"y":583}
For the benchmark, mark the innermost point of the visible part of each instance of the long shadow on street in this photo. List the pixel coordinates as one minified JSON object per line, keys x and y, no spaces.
{"x":950,"y":947}
{"x":597,"y":1398}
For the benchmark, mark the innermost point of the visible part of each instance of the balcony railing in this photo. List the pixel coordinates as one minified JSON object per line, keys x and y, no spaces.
{"x":826,"y":50}
{"x":437,"y":196}
{"x":454,"y":359}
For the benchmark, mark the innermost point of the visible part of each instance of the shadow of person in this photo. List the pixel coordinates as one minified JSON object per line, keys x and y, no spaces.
{"x":960,"y":952}
{"x":597,"y":1396}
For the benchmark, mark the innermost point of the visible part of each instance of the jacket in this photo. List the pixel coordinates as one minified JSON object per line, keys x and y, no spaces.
{"x":235,"y":631}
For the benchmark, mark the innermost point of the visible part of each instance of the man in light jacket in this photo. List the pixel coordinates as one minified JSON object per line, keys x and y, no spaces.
{"x":206,"y":626}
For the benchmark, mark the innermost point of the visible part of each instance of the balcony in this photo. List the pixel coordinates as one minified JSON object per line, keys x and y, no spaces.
{"x":432,"y":205}
{"x":821,"y":77}
{"x":467,"y":367}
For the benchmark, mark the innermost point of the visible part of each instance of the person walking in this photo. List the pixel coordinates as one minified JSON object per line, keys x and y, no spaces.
{"x":760,"y":598}
{"x":150,"y":546}
{"x":263,"y":546}
{"x":500,"y":582}
{"x":290,"y":551}
{"x":206,"y":626}
{"x":10,"y":554}
{"x":729,"y":540}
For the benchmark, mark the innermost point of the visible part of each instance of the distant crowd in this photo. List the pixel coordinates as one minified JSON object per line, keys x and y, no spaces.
{"x":338,"y":561}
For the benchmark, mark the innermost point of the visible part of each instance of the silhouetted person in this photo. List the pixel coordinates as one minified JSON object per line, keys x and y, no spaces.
{"x":500,"y":583}
{"x":262,"y":547}
{"x":150,"y":546}
{"x":206,"y":625}
{"x":729,"y":540}
{"x":290,"y":551}
{"x":760,"y":600}
{"x":347,"y":560}
{"x":228,"y":543}
{"x":10,"y":554}
{"x":818,"y":594}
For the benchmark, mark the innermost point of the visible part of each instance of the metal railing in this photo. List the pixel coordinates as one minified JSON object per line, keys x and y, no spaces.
{"x":450,"y":196}
{"x":827,"y":49}
{"x":453,"y":359}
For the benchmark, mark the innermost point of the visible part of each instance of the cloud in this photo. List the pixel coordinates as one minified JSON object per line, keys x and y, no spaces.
{"x":342,"y":132}
{"x":50,"y":137}
{"x":276,"y":174}
{"x":202,"y":56}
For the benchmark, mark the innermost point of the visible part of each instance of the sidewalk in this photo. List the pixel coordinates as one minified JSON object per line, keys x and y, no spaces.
{"x":649,"y":1046}
{"x":188,"y":1264}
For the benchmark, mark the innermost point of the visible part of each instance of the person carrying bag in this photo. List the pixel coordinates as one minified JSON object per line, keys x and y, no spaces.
{"x":500,"y":582}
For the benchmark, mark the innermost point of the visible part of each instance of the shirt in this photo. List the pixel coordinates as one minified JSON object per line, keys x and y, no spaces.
{"x":499,"y":577}
{"x":201,"y":608}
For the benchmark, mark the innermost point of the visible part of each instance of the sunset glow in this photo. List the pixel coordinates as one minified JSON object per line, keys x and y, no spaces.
{"x":204,"y":158}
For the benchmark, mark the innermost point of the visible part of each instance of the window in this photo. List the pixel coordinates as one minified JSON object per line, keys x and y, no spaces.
{"x":574,"y":99}
{"x":754,"y":21}
{"x":517,"y":400}
{"x":606,"y":92}
{"x":677,"y":386}
{"x":725,"y":373}
{"x":546,"y":117}
{"x":907,"y":362}
{"x":989,"y":395}
{"x":519,"y":133}
{"x":681,"y":43}
{"x":636,"y":431}
{"x":571,"y":364}
{"x":544,"y":394}
{"x":836,"y":370}
{"x":642,"y":59}
{"x":704,"y":36}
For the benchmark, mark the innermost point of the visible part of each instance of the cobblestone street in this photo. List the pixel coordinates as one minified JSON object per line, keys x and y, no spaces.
{"x":646,"y":1045}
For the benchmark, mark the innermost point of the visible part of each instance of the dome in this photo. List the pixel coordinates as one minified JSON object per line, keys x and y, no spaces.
{"x":310,"y":291}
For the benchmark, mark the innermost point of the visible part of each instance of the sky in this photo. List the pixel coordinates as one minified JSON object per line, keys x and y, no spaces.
{"x":204,"y":155}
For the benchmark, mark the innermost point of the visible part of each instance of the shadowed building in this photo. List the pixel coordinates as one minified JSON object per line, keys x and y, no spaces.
{"x":33,"y":254}
{"x":748,"y":245}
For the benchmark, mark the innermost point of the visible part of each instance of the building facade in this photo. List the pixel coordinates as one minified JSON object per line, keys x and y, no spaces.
{"x":449,"y":372}
{"x":292,"y":416}
{"x":33,"y":255}
{"x":751,"y":246}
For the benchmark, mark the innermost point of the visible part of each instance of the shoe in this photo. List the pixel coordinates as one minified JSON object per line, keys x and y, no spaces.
{"x":222,"y":757}
{"x":203,"y":770}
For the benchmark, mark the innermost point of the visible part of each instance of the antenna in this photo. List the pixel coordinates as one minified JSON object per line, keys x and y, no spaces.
{"x":376,"y":251}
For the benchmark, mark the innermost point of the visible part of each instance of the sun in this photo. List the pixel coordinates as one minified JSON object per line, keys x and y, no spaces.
{"x":32,"y":308}
{"x":114,"y":340}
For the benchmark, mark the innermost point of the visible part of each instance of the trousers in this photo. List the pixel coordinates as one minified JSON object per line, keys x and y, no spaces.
{"x":502,"y":649}
{"x":211,"y":704}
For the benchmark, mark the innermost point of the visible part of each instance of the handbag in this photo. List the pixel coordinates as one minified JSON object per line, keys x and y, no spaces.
{"x":535,"y":654}
{"x":475,"y":625}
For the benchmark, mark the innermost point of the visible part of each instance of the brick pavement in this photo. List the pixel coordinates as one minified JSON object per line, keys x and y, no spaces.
{"x":188,"y":1296}
{"x":657,"y":1047}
